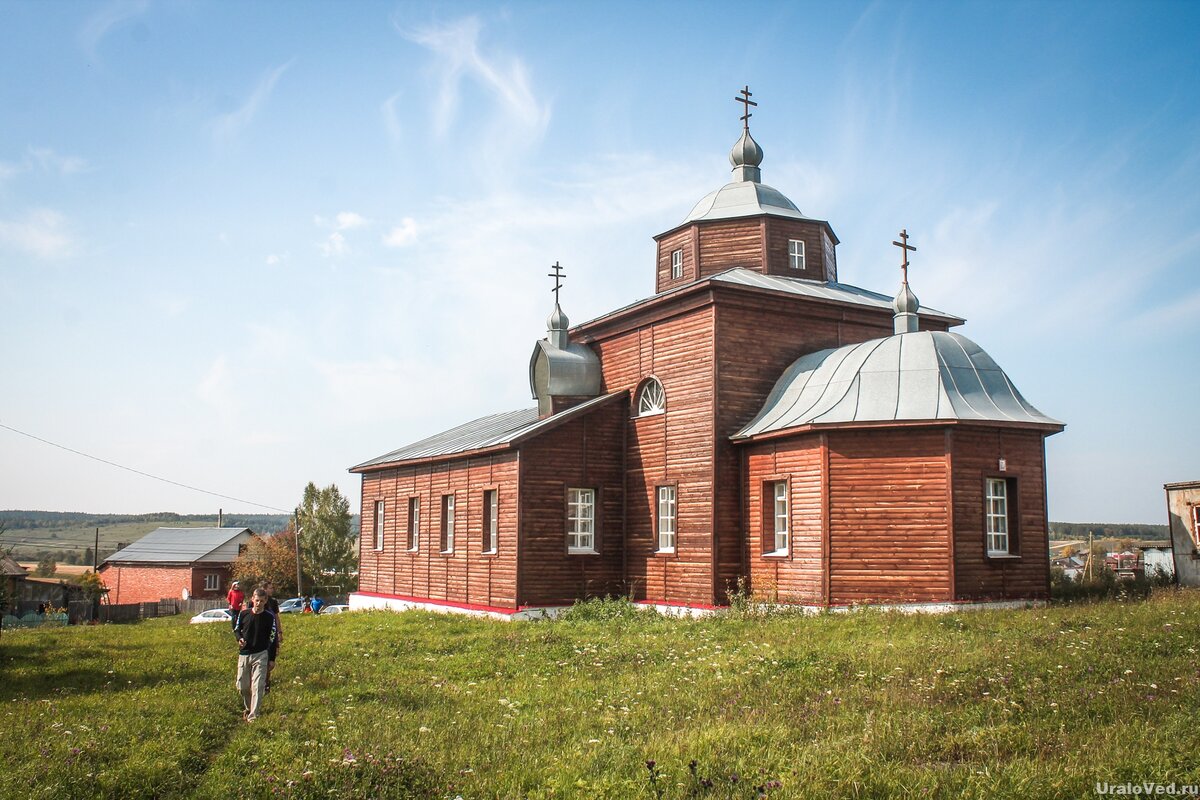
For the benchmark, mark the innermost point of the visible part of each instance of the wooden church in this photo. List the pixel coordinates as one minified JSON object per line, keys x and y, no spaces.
{"x":754,"y":423}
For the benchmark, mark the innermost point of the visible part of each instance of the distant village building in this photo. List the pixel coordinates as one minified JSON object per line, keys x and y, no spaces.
{"x":1183,"y":518}
{"x":755,"y":422}
{"x":13,"y":575}
{"x":174,"y":563}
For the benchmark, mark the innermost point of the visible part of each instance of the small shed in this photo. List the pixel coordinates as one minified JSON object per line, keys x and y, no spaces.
{"x":13,"y":575}
{"x":1183,"y":518}
{"x":174,"y":562}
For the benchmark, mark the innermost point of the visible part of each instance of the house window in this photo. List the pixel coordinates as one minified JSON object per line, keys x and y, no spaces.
{"x":1196,"y":525}
{"x":491,"y":518}
{"x":378,"y":524}
{"x":447,"y":523}
{"x":666,"y":519}
{"x":998,"y":520}
{"x":796,"y":253}
{"x":581,"y":520}
{"x":414,"y":523}
{"x":651,"y":398}
{"x":212,"y":583}
{"x":676,"y":264}
{"x":777,"y":511}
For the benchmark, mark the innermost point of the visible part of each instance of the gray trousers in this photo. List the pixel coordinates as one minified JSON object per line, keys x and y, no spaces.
{"x":252,"y":682}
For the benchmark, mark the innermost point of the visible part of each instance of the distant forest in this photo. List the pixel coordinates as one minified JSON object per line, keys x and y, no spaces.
{"x":68,"y":536}
{"x":50,"y":520}
{"x":1108,"y":530}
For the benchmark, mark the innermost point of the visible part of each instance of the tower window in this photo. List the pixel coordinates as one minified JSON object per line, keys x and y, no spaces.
{"x":676,"y":264}
{"x":796,"y":253}
{"x":651,"y":399}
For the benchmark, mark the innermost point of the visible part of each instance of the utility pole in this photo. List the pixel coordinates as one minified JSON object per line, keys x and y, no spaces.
{"x":96,"y":552}
{"x":299,"y":586}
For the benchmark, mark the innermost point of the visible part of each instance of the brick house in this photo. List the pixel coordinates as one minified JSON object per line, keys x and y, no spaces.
{"x":168,"y":562}
{"x":754,"y":422}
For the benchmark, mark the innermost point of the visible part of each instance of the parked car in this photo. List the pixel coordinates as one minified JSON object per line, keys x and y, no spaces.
{"x":292,"y":606}
{"x":335,"y":609}
{"x":213,"y":615}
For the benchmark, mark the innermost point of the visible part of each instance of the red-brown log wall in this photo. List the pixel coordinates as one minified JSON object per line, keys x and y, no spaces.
{"x":797,"y":577}
{"x":976,"y":454}
{"x":889,"y":516}
{"x":673,"y":447}
{"x":583,"y":453}
{"x":466,"y":575}
{"x":779,"y":232}
{"x":684,"y":240}
{"x":737,"y":243}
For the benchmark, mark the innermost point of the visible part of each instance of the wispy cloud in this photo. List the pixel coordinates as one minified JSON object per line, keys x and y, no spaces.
{"x":391,"y":117}
{"x":506,"y":117}
{"x":227,"y":126}
{"x":42,"y":232}
{"x":42,"y":160}
{"x":335,"y":245}
{"x":105,"y":21}
{"x":403,"y":234}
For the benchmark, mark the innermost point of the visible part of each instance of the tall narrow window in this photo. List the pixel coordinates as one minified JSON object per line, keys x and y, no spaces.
{"x":378,"y":524}
{"x":796,"y":253}
{"x":414,"y":523}
{"x":676,"y":264}
{"x":491,"y":519}
{"x":581,"y":520}
{"x":447,"y":523}
{"x":997,"y":517}
{"x":777,"y":512}
{"x":666,"y":519}
{"x":1196,"y":525}
{"x":651,"y":398}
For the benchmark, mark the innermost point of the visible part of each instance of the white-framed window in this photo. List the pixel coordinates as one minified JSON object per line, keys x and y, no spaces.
{"x":581,"y":520}
{"x":676,"y":264}
{"x":796,"y":253}
{"x":651,"y":398}
{"x":777,"y":543}
{"x":996,"y":512}
{"x":414,"y":523}
{"x":491,"y":519}
{"x":378,"y":524}
{"x":447,"y":523}
{"x":212,"y":583}
{"x":667,"y":516}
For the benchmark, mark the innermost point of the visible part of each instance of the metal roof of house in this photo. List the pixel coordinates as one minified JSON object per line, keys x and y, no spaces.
{"x":495,"y":430}
{"x":919,"y":376}
{"x":177,"y":545}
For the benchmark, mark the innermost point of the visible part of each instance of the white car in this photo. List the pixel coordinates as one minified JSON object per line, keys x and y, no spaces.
{"x":213,"y":615}
{"x":335,"y":609}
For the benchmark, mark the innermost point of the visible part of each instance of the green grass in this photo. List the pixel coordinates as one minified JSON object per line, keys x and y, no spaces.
{"x":1036,"y":703}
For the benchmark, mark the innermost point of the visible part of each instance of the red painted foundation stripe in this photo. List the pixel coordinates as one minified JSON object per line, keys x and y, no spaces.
{"x":449,"y":603}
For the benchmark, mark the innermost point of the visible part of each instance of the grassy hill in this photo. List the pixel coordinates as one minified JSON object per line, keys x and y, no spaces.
{"x":618,"y":704}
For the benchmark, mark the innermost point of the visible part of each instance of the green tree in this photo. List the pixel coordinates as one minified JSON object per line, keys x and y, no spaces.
{"x":269,"y":559}
{"x":46,"y":567}
{"x":91,"y":584}
{"x":326,"y":544}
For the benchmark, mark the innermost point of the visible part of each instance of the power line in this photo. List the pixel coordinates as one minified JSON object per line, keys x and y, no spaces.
{"x":139,"y":472}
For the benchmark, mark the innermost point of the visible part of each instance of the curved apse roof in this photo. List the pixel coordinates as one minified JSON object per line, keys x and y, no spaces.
{"x":919,"y":376}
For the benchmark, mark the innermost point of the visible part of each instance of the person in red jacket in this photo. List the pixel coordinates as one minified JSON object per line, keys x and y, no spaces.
{"x":235,"y":597}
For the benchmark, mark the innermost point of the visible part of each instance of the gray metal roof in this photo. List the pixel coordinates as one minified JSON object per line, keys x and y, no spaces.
{"x":819,"y":290}
{"x":926,"y":375}
{"x":182,"y":545}
{"x":823,"y":290}
{"x":743,"y":199}
{"x":490,"y":431}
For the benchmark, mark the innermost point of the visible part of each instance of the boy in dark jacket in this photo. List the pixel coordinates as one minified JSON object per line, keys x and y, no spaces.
{"x":256,"y":635}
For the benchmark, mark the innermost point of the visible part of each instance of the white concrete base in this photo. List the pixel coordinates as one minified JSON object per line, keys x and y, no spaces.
{"x":362,"y":602}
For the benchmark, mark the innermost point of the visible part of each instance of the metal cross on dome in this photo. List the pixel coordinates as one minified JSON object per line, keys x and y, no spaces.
{"x":558,"y":275}
{"x":904,"y":248}
{"x":746,"y":103}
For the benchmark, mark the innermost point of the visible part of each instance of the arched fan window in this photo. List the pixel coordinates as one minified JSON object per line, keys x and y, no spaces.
{"x":651,"y":398}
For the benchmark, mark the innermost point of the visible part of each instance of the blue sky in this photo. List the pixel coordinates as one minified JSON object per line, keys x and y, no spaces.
{"x":246,"y":246}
